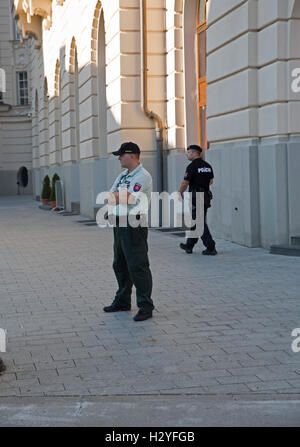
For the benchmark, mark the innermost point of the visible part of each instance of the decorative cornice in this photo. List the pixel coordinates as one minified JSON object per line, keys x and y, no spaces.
{"x":31,"y":14}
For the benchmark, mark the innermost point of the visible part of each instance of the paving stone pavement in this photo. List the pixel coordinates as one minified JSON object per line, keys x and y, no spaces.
{"x":222,"y":325}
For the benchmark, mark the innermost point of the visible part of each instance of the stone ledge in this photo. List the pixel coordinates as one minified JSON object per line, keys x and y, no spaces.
{"x":287,"y":250}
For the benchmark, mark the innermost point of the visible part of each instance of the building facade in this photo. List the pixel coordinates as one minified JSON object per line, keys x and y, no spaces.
{"x":165,"y":74}
{"x":15,"y":104}
{"x":253,"y":49}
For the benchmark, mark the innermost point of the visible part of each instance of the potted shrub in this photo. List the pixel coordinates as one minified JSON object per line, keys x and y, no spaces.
{"x":46,"y":190}
{"x":52,"y":195}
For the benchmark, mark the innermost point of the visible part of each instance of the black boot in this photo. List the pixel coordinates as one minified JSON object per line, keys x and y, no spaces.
{"x":143,"y":315}
{"x":187,"y":248}
{"x":210,"y":252}
{"x":116,"y":308}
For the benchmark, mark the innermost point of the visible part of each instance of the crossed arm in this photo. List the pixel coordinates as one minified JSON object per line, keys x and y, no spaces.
{"x":115,"y":198}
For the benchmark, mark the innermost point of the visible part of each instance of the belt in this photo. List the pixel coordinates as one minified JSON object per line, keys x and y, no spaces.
{"x":141,"y":217}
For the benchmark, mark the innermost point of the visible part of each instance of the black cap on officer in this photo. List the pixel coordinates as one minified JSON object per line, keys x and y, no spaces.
{"x":195,"y":147}
{"x":128,"y":148}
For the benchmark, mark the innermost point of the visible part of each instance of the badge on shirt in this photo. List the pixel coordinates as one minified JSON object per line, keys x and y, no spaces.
{"x":186,"y":175}
{"x":204,"y":170}
{"x":137,"y":187}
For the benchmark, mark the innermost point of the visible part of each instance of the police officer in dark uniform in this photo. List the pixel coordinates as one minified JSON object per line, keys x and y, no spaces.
{"x":198,"y":178}
{"x":131,"y":263}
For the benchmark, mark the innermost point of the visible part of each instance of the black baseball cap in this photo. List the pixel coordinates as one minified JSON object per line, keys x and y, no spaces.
{"x":195,"y":147}
{"x":128,"y":148}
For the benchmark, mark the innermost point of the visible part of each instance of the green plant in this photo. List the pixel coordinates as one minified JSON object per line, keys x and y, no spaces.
{"x":52,"y":195}
{"x":46,"y":188}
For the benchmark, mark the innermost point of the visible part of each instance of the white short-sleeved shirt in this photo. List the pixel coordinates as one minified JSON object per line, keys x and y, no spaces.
{"x":137,"y":181}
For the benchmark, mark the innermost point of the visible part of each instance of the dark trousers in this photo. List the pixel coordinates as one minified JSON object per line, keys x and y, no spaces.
{"x":131,"y":266}
{"x":207,"y":239}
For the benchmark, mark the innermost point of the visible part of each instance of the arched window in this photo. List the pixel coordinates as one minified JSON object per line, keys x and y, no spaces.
{"x":102,"y":105}
{"x":36,"y":133}
{"x":46,"y":120}
{"x":201,"y":26}
{"x":58,"y":115}
{"x":76,"y":98}
{"x":74,"y":81}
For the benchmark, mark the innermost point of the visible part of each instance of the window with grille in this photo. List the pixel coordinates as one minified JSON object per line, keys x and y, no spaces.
{"x":16,"y":31}
{"x":22,"y":88}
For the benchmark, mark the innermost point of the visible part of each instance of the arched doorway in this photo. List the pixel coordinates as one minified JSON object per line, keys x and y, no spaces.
{"x":57,"y":156}
{"x":35,"y":134}
{"x":36,"y":165}
{"x":74,"y":85}
{"x":102,"y":105}
{"x":201,"y":26}
{"x":195,"y":26}
{"x":46,"y":122}
{"x":22,"y":178}
{"x":72,"y":169}
{"x":76,"y":99}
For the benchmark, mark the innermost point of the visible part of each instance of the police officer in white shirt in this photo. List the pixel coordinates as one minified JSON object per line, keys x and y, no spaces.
{"x":131,"y":195}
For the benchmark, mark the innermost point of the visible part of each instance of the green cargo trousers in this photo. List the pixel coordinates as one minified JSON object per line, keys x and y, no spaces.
{"x":131,"y":266}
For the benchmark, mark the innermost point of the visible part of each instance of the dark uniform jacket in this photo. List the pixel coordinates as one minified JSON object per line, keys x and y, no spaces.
{"x":199,"y":173}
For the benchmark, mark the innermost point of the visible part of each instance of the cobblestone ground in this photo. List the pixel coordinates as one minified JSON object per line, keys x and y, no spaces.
{"x":222,"y":325}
